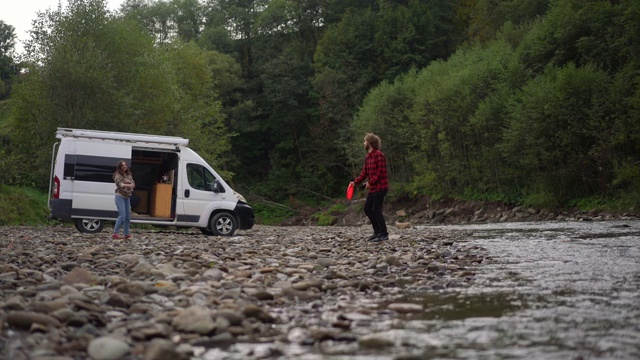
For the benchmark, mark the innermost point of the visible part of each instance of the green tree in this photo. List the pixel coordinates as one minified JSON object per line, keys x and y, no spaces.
{"x":88,"y":69}
{"x":8,"y":68}
{"x":189,"y":19}
{"x":552,"y":133}
{"x":440,"y":133}
{"x":580,"y":32}
{"x":197,"y":108}
{"x":158,"y":17}
{"x":7,"y":38}
{"x":483,"y":19}
{"x":367,"y":46}
{"x":285,"y":36}
{"x":544,"y":115}
{"x":385,"y":111}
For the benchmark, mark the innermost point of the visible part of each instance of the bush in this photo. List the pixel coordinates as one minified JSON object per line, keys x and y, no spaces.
{"x":328,"y":217}
{"x":269,"y":214}
{"x":22,"y":206}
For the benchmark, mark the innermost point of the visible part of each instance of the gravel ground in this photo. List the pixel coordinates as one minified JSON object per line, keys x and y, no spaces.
{"x":269,"y":292}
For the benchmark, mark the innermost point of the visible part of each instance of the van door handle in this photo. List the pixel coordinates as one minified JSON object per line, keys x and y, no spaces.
{"x":187,"y":193}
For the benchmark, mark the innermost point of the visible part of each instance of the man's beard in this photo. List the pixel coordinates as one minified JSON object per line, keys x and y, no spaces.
{"x":367,"y":147}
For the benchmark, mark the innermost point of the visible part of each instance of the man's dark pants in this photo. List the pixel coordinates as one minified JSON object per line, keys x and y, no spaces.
{"x":373,"y":210}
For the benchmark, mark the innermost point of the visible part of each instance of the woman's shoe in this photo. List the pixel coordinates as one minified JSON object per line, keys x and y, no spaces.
{"x":373,"y":237}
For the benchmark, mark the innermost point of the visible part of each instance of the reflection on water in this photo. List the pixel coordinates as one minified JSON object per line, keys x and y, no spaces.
{"x":447,"y":307}
{"x":552,"y":291}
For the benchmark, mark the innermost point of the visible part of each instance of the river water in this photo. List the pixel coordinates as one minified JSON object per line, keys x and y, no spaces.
{"x":552,"y":290}
{"x":547,"y":290}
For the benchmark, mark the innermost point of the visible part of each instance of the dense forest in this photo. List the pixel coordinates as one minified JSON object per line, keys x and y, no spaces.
{"x":533,"y":102}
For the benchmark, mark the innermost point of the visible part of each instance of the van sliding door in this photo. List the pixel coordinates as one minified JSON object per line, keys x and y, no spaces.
{"x":93,"y":188}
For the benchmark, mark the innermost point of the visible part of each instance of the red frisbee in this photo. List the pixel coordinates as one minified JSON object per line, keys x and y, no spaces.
{"x":350,"y":191}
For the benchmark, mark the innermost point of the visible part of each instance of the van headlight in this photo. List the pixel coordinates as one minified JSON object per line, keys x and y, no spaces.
{"x":239,"y":196}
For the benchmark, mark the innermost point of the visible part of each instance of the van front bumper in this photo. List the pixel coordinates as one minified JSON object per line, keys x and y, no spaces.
{"x":246,"y":218}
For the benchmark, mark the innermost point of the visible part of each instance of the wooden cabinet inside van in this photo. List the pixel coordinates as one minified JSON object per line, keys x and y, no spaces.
{"x":161,"y":200}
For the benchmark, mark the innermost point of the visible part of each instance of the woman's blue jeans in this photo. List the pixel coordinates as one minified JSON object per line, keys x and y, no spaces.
{"x":124,"y":214}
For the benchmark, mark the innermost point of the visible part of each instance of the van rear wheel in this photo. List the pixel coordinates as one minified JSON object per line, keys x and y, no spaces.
{"x":223,"y":224}
{"x":89,"y":226}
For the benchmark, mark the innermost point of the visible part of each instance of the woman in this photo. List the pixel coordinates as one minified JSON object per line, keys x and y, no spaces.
{"x":124,"y":189}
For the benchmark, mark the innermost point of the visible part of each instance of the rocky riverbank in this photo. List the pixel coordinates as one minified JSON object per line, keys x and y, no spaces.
{"x":426,"y":212}
{"x":270,"y":292}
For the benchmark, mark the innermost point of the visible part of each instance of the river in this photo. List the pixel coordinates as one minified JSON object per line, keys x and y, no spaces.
{"x":552,"y":290}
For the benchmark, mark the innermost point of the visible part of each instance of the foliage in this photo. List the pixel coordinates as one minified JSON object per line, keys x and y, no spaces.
{"x":328,"y":216}
{"x":7,"y":38}
{"x":268,"y":214}
{"x":8,"y":68}
{"x":88,"y":69}
{"x":557,"y":153}
{"x":337,"y":208}
{"x":529,"y":117}
{"x":438,"y":120}
{"x":368,"y":46}
{"x":385,"y":111}
{"x":198,"y":109}
{"x":532,"y":102}
{"x":22,"y":206}
{"x":324,"y":219}
{"x":483,"y":19}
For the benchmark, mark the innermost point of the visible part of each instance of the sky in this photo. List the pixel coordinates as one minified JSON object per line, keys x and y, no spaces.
{"x":19,"y":14}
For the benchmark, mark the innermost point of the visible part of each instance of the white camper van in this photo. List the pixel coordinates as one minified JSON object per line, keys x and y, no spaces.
{"x":174,"y":185}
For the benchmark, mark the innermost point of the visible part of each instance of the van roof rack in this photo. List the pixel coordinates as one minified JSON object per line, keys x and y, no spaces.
{"x":121,"y":136}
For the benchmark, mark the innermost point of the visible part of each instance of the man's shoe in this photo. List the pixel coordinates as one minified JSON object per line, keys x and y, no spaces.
{"x":127,"y":237}
{"x":373,"y":237}
{"x":116,"y":237}
{"x":381,"y":237}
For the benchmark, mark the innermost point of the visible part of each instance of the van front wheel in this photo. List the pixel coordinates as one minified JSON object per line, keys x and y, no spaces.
{"x":90,"y":226}
{"x":223,"y":224}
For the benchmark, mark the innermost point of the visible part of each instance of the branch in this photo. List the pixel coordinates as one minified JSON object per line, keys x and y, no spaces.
{"x":261,"y":199}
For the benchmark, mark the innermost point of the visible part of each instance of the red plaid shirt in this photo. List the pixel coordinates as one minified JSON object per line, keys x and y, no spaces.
{"x":375,"y":169}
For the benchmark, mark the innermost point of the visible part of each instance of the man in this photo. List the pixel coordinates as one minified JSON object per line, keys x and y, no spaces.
{"x":375,"y":169}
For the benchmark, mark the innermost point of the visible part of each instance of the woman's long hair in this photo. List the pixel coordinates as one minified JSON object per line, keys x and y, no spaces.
{"x":119,"y":169}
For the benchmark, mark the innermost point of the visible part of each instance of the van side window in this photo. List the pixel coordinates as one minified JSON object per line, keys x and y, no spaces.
{"x":200,"y":178}
{"x":91,"y":168}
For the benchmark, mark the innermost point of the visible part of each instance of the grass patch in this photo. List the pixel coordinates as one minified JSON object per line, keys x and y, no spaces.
{"x":23,"y":206}
{"x":269,"y":214}
{"x":324,"y":219}
{"x":328,"y":217}
{"x":623,"y":202}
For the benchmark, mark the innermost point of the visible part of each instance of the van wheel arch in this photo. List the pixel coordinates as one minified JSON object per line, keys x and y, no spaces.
{"x":89,"y":226}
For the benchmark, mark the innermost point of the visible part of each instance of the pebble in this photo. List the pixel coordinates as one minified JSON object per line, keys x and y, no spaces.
{"x":107,"y":348}
{"x":180,"y":294}
{"x":405,"y":308}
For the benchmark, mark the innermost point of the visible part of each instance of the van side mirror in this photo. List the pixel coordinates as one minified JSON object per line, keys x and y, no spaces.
{"x":217,"y":187}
